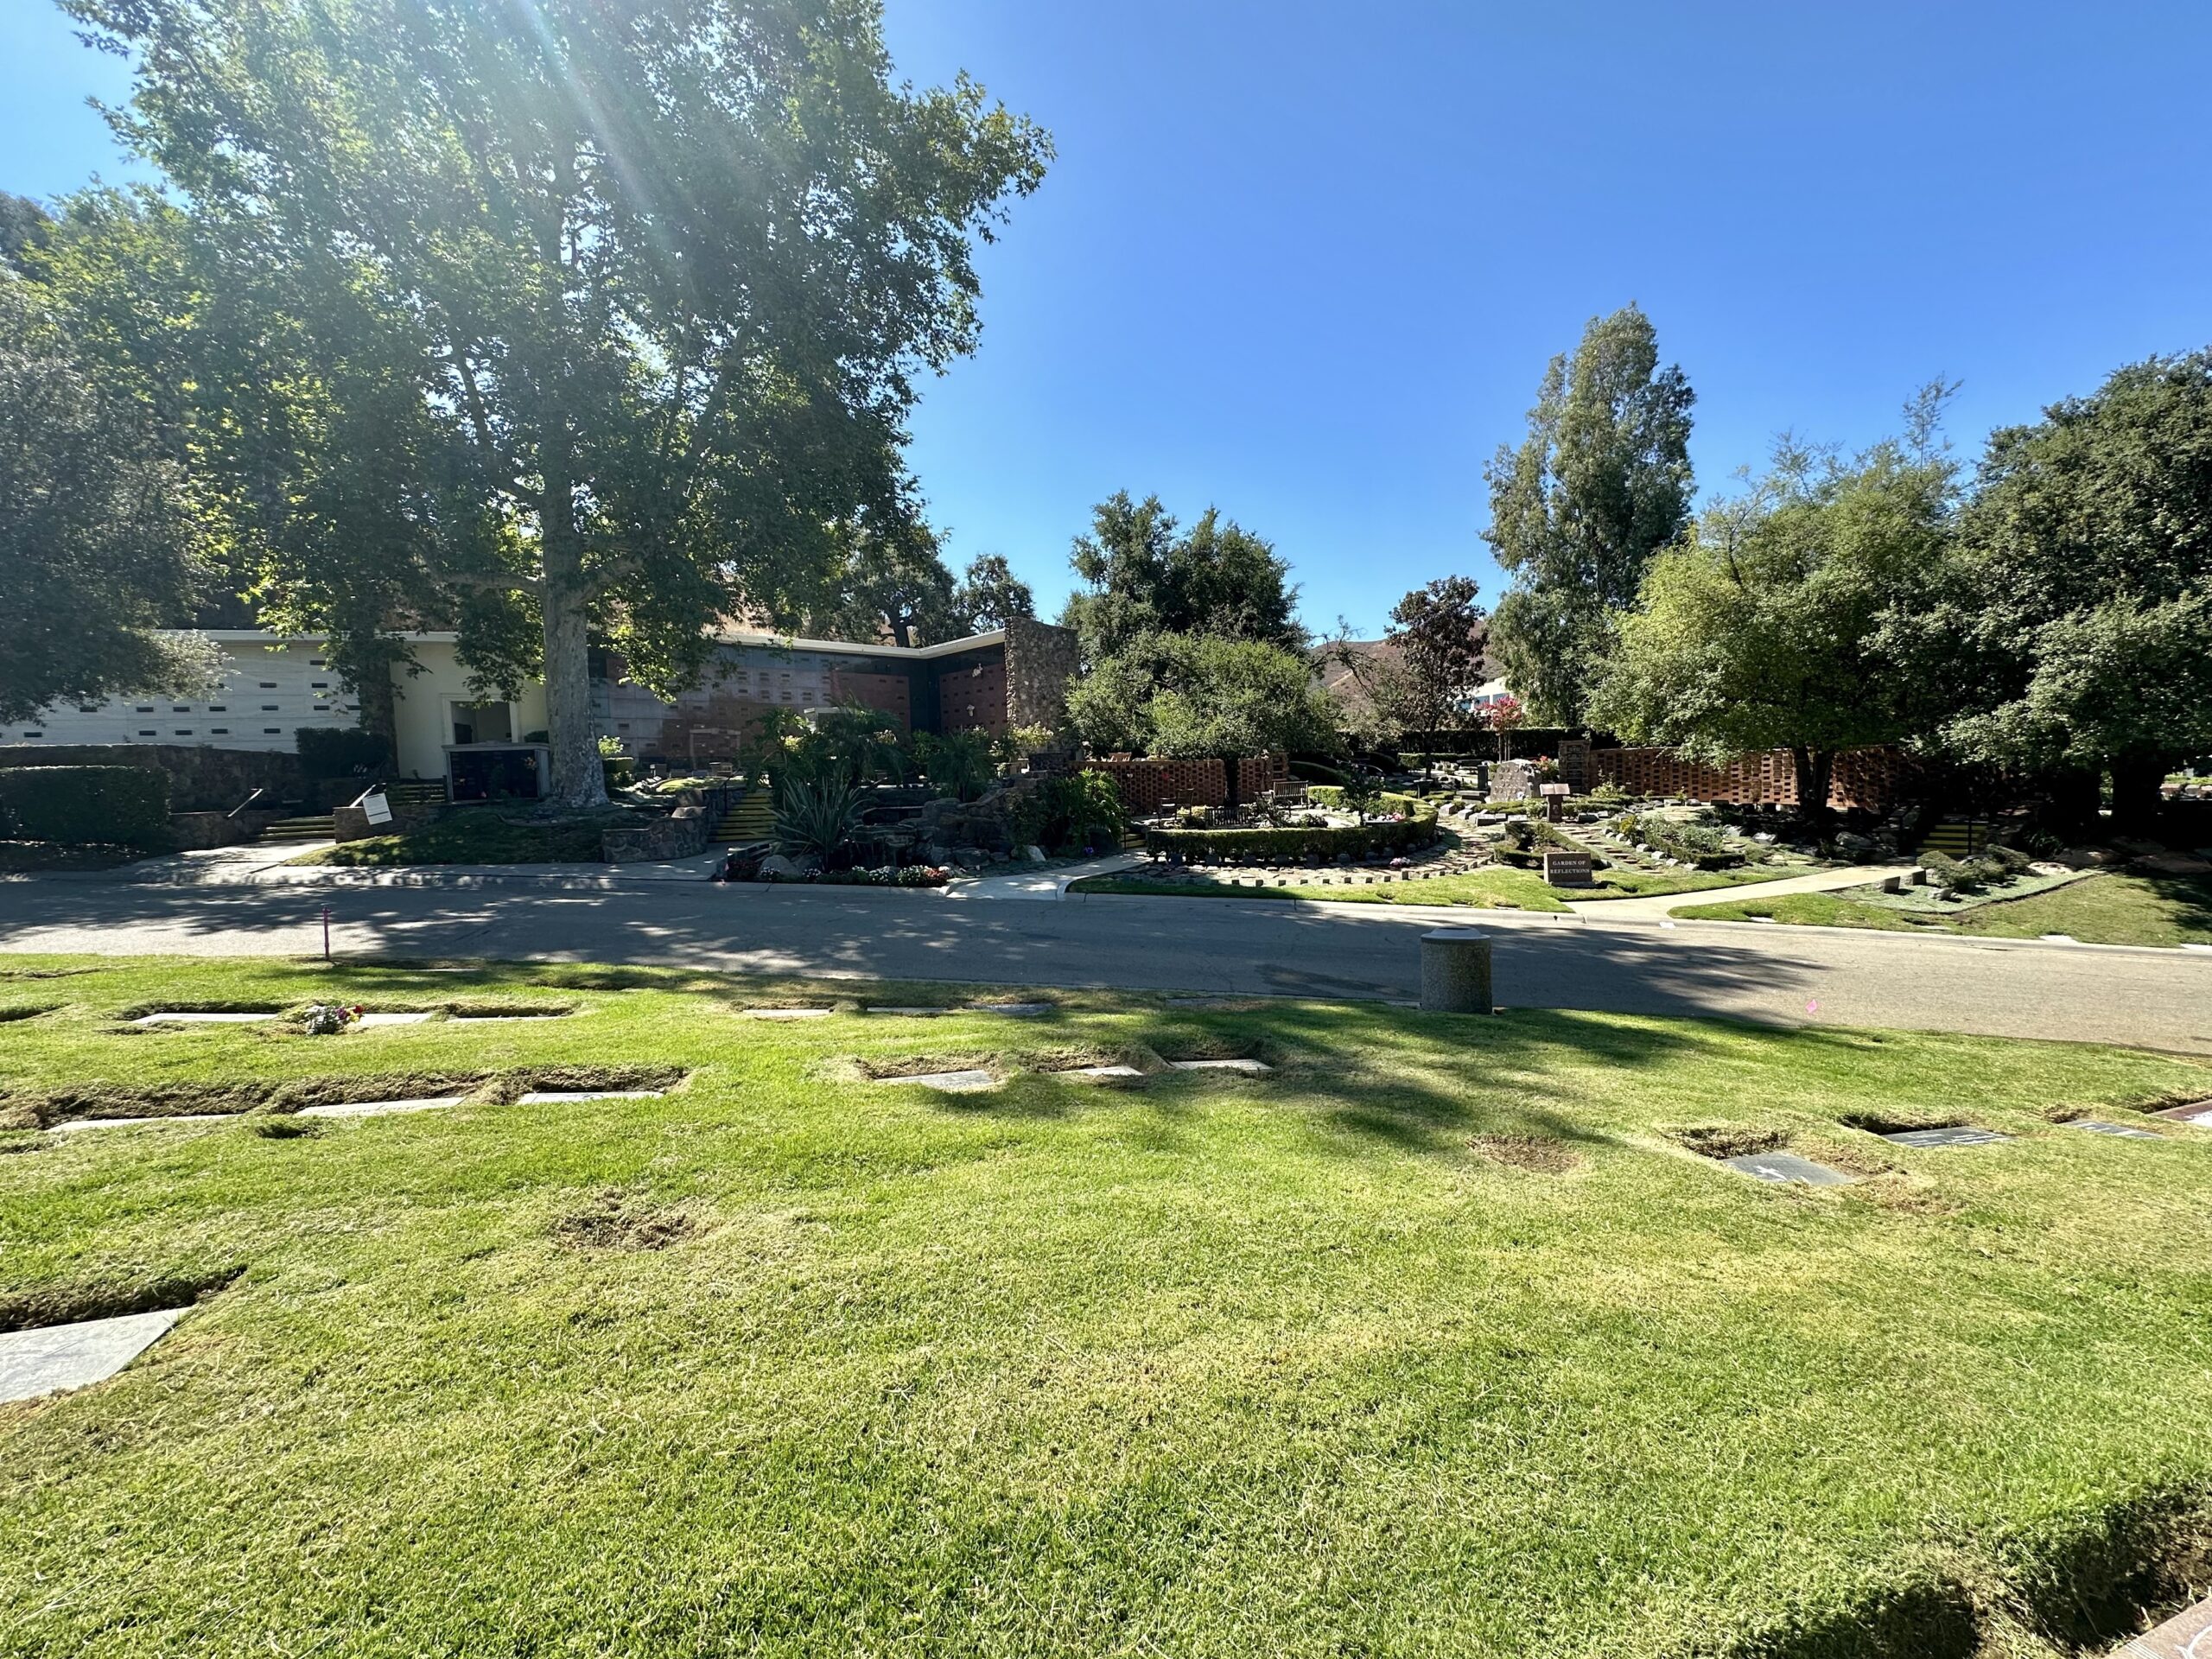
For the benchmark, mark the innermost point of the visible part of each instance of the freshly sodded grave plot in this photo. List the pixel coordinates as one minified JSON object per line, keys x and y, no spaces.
{"x":2126,"y":1131}
{"x":485,"y":1017}
{"x":73,"y":1125}
{"x":1099,"y":1072}
{"x":371,"y":1021}
{"x":789,"y":1014}
{"x":915,"y":1012}
{"x":1250,"y":1068}
{"x":963,"y":1082}
{"x":55,"y":1358}
{"x":558,"y":1096}
{"x":1013,"y":1010}
{"x":1756,"y":1152}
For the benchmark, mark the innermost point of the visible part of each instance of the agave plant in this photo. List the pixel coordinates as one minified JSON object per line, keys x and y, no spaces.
{"x":816,"y":815}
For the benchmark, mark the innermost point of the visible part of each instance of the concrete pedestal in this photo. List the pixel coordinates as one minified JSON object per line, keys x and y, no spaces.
{"x":1455,"y":971}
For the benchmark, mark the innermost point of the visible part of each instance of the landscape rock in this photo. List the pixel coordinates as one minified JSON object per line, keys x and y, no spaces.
{"x":777,"y":867}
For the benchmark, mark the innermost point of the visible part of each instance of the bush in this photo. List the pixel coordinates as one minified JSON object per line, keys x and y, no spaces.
{"x":1702,"y":846}
{"x":1292,"y":842}
{"x":1063,"y":810}
{"x":2011,"y":859}
{"x":337,"y":751}
{"x":960,"y":763}
{"x":80,"y":806}
{"x":816,"y":816}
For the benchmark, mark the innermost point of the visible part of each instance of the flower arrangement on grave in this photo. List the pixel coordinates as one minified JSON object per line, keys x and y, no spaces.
{"x":328,"y":1019}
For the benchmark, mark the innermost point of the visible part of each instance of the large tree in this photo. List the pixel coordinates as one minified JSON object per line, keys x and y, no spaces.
{"x":1203,"y":697}
{"x":656,"y":279}
{"x":98,"y":540}
{"x":891,"y":582}
{"x":990,"y":595}
{"x":1218,"y":578}
{"x":1762,"y":629}
{"x":1601,"y":482}
{"x":2073,"y":628}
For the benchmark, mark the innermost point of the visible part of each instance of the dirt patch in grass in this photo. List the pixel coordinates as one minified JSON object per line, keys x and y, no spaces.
{"x":1901,"y":1122}
{"x":187,"y":1005}
{"x":621,"y":1221}
{"x":269,"y":1127}
{"x":495,"y":1010}
{"x":373,"y":1085}
{"x":148,"y":1100}
{"x":512,"y":1085}
{"x":1539,"y":1154}
{"x":1724,"y":1140}
{"x":1210,"y":1045}
{"x":73,"y":1301}
{"x":9,"y":1016}
{"x":46,"y":973}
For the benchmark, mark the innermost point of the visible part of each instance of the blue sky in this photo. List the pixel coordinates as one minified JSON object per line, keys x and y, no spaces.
{"x":1307,"y":262}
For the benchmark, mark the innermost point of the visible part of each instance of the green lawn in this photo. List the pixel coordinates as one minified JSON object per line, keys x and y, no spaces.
{"x":477,"y":835}
{"x":2110,"y":909}
{"x":1437,"y":1340}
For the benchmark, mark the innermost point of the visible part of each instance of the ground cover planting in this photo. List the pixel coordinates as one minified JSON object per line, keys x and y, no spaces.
{"x":1441,"y":1334}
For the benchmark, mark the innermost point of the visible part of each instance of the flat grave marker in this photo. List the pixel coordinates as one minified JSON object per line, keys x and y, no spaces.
{"x":1014,"y":1010}
{"x":1250,"y":1068}
{"x":1951,"y":1134}
{"x":791,"y":1013}
{"x":183,"y":1017}
{"x":1781,"y":1167}
{"x":369,"y":1021}
{"x":61,"y":1357}
{"x":380,"y":1108}
{"x":2187,"y":1635}
{"x":2126,"y":1131}
{"x":558,"y":1096}
{"x":2190,"y":1111}
{"x":950,"y":1083}
{"x":495,"y":1019}
{"x":1099,"y":1072}
{"x":70,"y":1126}
{"x":913,"y":1012}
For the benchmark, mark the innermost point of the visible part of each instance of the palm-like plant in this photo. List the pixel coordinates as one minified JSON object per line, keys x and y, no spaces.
{"x":816,"y":815}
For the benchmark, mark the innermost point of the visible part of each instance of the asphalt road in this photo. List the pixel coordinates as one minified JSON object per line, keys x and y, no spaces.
{"x":2160,"y":998}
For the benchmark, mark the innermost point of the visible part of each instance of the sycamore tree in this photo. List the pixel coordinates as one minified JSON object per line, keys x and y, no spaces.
{"x":1762,"y":629}
{"x":1203,"y":697}
{"x":653,"y":282}
{"x":98,"y":540}
{"x":1146,"y":575}
{"x":2072,"y":629}
{"x":1599,"y":484}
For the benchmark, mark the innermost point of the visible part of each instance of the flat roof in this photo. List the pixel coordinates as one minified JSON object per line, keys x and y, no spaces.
{"x":726,"y":637}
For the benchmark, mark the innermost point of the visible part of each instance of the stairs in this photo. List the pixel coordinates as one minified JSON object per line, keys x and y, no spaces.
{"x":1957,"y":837}
{"x":751,"y":819}
{"x":415,"y":794}
{"x":317,"y":828}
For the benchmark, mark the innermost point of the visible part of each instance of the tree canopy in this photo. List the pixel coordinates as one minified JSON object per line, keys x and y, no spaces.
{"x":649,"y":285}
{"x":1203,"y":697}
{"x":1218,"y":578}
{"x":97,"y":538}
{"x":1762,"y":629}
{"x":1601,"y":482}
{"x":2072,"y":625}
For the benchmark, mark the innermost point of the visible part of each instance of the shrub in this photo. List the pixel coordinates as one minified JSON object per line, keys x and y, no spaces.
{"x":1293,"y":842}
{"x":337,"y":751}
{"x":1064,"y":811}
{"x":620,"y":768}
{"x":2011,"y":859}
{"x":1702,"y":846}
{"x":82,"y":806}
{"x":961,"y":763}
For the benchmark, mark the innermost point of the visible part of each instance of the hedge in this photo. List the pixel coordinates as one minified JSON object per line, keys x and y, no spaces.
{"x":80,"y":806}
{"x":337,"y":751}
{"x":1288,"y":843}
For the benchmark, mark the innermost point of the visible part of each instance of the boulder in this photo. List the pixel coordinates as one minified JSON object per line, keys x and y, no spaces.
{"x":777,"y":867}
{"x":1034,"y":854}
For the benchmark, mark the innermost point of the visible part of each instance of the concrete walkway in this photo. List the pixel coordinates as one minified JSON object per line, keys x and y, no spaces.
{"x":1048,"y":885}
{"x":1658,"y":906}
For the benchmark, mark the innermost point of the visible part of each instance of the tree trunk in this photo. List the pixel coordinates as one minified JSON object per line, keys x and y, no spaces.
{"x":1229,"y":765}
{"x":2135,"y":795}
{"x":1815,"y":773}
{"x":578,"y":779}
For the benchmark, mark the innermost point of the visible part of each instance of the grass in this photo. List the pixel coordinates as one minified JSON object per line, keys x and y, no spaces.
{"x":1441,"y":1340}
{"x":2108,"y":909}
{"x":477,"y":835}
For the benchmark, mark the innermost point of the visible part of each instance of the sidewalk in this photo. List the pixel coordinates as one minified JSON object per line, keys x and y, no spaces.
{"x":1657,"y":907}
{"x":1047,"y":885}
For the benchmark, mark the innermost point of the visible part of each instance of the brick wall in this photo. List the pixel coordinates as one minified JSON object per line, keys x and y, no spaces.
{"x":1867,"y":778}
{"x":1145,"y":784}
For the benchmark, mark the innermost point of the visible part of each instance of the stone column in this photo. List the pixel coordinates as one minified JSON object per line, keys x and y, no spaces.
{"x":1455,"y":971}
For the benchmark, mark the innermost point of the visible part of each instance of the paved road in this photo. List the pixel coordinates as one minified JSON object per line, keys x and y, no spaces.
{"x":2158,"y":998}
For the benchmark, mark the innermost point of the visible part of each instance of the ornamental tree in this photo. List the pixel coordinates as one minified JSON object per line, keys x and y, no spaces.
{"x":655,"y":280}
